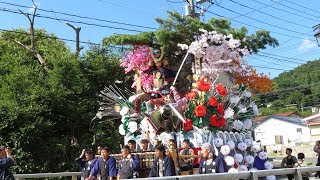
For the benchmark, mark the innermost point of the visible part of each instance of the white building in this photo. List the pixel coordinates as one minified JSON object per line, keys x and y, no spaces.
{"x":313,"y":122}
{"x":273,"y":130}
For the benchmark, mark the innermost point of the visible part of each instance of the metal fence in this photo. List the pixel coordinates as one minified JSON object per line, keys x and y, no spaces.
{"x":252,"y":175}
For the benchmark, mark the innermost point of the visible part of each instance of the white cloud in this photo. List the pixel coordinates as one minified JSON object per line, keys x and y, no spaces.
{"x":306,"y":45}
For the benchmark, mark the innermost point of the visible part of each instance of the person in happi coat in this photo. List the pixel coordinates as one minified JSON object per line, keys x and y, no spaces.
{"x":211,"y":163}
{"x":128,"y":165}
{"x":86,"y":161}
{"x":162,"y":165}
{"x":105,"y":167}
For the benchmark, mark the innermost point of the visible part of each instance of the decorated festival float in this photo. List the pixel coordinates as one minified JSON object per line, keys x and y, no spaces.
{"x":215,"y":106}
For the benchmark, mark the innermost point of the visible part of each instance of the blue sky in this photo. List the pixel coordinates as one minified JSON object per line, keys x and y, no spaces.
{"x":289,"y":21}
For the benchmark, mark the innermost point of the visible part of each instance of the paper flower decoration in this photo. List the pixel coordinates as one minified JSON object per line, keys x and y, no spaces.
{"x":218,"y":142}
{"x":249,"y":159}
{"x":225,"y":150}
{"x":229,"y":160}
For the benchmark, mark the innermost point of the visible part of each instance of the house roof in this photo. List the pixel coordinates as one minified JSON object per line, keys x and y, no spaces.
{"x":312,"y":120}
{"x":293,"y":120}
{"x":285,"y":114}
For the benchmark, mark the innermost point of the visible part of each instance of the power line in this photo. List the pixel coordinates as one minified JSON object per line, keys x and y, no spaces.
{"x":270,"y":68}
{"x":282,"y":56}
{"x":278,"y":58}
{"x":302,"y":6}
{"x":263,"y":21}
{"x":254,"y":10}
{"x":270,"y":62}
{"x":285,"y":10}
{"x":296,"y":37}
{"x":72,"y":21}
{"x":269,"y":14}
{"x":295,"y":9}
{"x":49,"y":37}
{"x":78,"y":16}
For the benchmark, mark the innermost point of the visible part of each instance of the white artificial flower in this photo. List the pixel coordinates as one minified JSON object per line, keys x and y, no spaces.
{"x":234,"y":99}
{"x":248,"y":142}
{"x":132,"y":98}
{"x":249,"y":159}
{"x":233,"y":170}
{"x":256,"y":148}
{"x":121,"y":130}
{"x":254,"y":108}
{"x":263,"y":155}
{"x":238,"y":157}
{"x":229,"y":160}
{"x":237,"y":125}
{"x":242,"y":146}
{"x":242,"y":108}
{"x":225,"y":150}
{"x":132,"y":126}
{"x":247,"y":94}
{"x":247,"y":124}
{"x":268,"y":165}
{"x":243,"y":168}
{"x":228,"y":113}
{"x":124,"y":110}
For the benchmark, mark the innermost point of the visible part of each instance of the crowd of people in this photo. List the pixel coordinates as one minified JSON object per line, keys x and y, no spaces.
{"x":105,"y":167}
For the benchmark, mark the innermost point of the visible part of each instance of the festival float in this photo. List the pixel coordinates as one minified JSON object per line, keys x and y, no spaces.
{"x":217,"y":108}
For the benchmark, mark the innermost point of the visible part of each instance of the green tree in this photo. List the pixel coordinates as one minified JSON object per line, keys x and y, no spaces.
{"x":47,"y":113}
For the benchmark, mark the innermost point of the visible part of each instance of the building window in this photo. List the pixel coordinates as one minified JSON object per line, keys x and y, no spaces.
{"x":279,"y":139}
{"x":299,"y":130}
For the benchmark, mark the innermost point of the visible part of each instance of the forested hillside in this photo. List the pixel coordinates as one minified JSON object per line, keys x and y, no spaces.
{"x":300,"y":86}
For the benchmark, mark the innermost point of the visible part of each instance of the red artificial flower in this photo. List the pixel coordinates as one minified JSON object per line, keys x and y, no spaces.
{"x":220,"y":109}
{"x":213,"y":101}
{"x":200,"y":111}
{"x":191,"y":95}
{"x":216,"y":121}
{"x":221,"y":90}
{"x":188,"y":125}
{"x":203,"y":85}
{"x":184,"y":107}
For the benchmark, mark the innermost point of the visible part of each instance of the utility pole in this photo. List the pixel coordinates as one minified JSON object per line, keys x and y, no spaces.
{"x":190,"y":8}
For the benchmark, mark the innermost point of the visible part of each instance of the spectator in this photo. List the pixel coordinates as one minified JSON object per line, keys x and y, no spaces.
{"x":105,"y":167}
{"x":186,"y":163}
{"x":316,"y":149}
{"x":301,"y":163}
{"x":210,"y":162}
{"x":133,"y":145}
{"x":128,"y":165}
{"x":6,"y":161}
{"x":289,"y":162}
{"x":86,"y":161}
{"x":144,"y":145}
{"x":163,"y":165}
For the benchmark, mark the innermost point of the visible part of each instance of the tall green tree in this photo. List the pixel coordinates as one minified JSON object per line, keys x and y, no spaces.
{"x":46,"y":113}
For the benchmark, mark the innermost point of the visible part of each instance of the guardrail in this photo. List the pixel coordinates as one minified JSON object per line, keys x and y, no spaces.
{"x":252,"y":175}
{"x":73,"y":175}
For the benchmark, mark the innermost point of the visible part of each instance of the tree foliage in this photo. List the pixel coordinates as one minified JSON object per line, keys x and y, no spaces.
{"x":299,"y":87}
{"x":46,"y":114}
